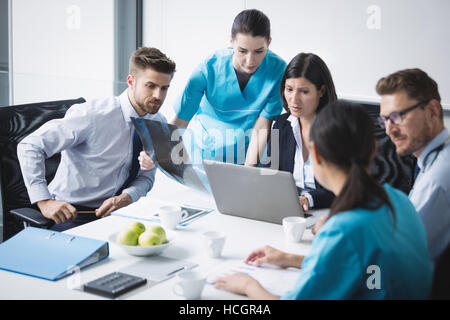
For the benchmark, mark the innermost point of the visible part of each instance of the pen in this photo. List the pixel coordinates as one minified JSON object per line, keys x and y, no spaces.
{"x":175,"y":271}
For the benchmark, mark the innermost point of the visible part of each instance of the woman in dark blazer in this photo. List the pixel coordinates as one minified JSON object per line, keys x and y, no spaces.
{"x":306,"y":87}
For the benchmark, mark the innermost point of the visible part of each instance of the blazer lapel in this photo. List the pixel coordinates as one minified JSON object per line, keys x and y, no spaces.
{"x":287,"y":147}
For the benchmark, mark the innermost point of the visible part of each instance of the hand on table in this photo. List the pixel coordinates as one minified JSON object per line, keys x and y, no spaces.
{"x":274,"y":256}
{"x":112,"y":204}
{"x":236,"y":283}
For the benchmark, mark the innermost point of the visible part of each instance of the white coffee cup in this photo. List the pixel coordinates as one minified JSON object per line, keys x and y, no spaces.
{"x":214,"y":242}
{"x":170,"y":216}
{"x":189,"y":284}
{"x":294,"y":227}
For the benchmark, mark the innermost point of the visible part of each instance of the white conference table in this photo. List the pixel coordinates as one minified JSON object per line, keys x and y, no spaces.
{"x":243,"y":236}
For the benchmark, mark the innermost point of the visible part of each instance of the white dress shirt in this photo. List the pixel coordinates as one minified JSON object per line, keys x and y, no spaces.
{"x":96,"y":144}
{"x":303,"y":170}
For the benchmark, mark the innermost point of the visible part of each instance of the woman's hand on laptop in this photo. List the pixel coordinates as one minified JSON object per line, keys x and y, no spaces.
{"x":274,"y":256}
{"x":145,"y":161}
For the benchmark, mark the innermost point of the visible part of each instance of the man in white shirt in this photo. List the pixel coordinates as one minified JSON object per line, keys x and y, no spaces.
{"x":412,"y":114}
{"x":96,"y":144}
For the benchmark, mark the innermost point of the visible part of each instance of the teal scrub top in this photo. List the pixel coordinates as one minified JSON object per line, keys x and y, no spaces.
{"x":363,"y":254}
{"x":221,"y":115}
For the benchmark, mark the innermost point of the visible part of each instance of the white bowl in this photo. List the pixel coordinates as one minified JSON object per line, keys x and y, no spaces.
{"x":143,"y":251}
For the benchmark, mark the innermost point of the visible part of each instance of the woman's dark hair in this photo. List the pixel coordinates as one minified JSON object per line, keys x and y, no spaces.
{"x":252,"y":22}
{"x":314,"y":69}
{"x":344,"y":135}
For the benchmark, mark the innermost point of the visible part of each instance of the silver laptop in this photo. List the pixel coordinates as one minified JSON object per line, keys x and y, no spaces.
{"x":253,"y":193}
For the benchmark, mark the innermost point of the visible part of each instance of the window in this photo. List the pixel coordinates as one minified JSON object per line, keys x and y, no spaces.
{"x":62,"y":49}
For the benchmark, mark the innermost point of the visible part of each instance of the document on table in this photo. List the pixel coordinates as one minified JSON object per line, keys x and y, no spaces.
{"x":148,"y":210}
{"x":276,"y":280}
{"x":158,"y":268}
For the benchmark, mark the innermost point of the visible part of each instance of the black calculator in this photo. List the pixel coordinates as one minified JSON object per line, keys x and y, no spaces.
{"x":114,"y":284}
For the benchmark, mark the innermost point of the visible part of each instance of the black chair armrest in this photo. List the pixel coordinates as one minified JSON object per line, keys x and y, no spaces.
{"x":33,"y":217}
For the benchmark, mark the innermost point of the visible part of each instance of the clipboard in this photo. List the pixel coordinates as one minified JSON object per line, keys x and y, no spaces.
{"x":48,"y":254}
{"x":148,"y":211}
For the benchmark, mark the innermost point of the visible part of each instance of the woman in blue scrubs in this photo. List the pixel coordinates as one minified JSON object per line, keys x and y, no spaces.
{"x":372,"y":245}
{"x":232,"y":95}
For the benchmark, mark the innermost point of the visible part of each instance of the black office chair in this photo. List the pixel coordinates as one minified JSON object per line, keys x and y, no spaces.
{"x":388,"y":166}
{"x":16,"y":122}
{"x":441,"y":277}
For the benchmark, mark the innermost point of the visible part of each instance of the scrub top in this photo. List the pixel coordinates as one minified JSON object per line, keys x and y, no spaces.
{"x":365,"y":254}
{"x":221,"y":115}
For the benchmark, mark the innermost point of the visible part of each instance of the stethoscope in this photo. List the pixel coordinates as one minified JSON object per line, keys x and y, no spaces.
{"x":436,"y":150}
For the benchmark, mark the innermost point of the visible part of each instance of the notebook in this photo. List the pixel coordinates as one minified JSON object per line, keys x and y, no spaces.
{"x":48,"y":254}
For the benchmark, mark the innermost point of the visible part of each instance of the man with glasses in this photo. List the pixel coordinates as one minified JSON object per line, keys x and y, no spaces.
{"x":411,"y":113}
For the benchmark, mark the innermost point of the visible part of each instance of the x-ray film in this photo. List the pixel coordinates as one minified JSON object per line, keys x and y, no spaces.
{"x":164,"y":143}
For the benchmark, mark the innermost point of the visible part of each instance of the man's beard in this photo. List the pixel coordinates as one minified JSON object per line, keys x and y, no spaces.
{"x":147,"y":108}
{"x":416,"y":142}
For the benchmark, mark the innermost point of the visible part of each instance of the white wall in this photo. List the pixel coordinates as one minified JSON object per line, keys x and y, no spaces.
{"x":62,"y":49}
{"x":187,"y":31}
{"x":447,"y":118}
{"x":359,"y":42}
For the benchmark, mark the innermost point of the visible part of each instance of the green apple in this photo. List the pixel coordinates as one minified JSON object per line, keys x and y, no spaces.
{"x":160,"y":232}
{"x":127,"y":237}
{"x":149,"y":238}
{"x":137,"y":227}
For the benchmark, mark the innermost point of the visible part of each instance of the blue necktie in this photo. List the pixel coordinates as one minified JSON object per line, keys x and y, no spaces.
{"x":137,"y":148}
{"x":416,"y":172}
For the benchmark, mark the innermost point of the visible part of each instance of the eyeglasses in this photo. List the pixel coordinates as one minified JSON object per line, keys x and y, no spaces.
{"x":397,"y":117}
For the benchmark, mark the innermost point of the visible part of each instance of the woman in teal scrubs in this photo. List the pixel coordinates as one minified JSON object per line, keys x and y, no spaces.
{"x":232,"y":92}
{"x":372,"y":245}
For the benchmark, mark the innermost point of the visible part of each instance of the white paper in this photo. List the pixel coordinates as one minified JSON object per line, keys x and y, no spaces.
{"x":276,"y":280}
{"x":158,"y":268}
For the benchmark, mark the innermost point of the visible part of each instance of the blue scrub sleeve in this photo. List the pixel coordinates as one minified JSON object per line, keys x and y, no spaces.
{"x":332,"y":270}
{"x":274,"y":106}
{"x":188,"y":103}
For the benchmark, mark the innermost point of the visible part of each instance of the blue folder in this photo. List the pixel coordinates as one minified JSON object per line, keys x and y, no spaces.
{"x":49,"y":254}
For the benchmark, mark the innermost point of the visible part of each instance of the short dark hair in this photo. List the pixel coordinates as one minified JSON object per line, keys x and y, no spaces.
{"x":344,"y":135}
{"x":415,"y":82}
{"x":153,"y":58}
{"x":252,"y":22}
{"x":313,"y":68}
